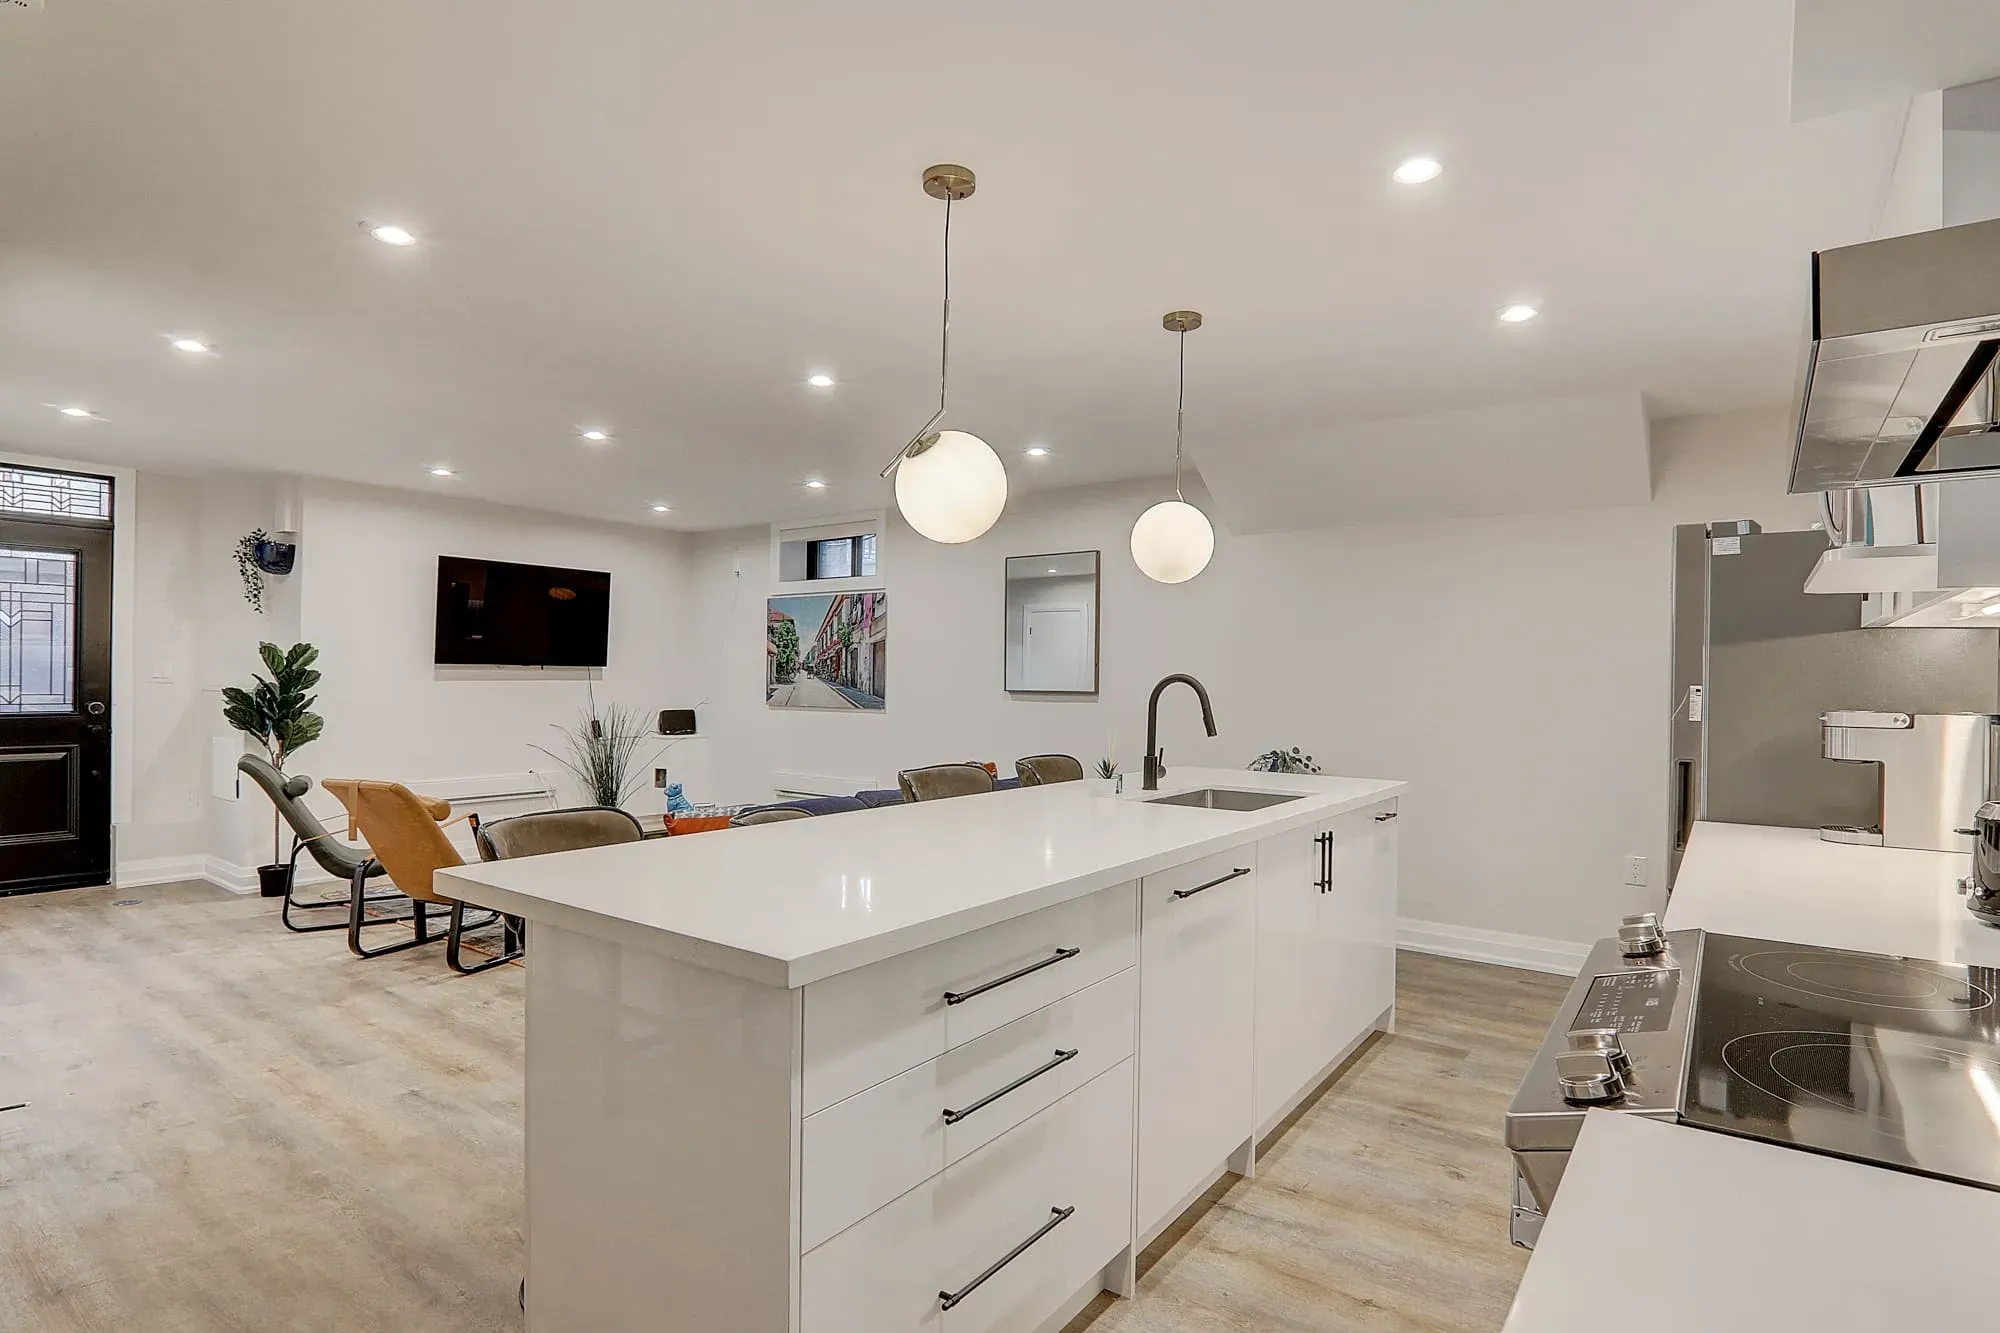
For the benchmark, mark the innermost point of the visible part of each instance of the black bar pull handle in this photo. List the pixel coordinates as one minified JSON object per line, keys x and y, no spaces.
{"x":1220,"y":879}
{"x":1383,"y":819}
{"x":1057,"y":1217}
{"x":961,"y":996}
{"x":952,"y":1117}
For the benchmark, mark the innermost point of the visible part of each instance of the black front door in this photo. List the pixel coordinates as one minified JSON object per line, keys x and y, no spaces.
{"x":55,"y":703}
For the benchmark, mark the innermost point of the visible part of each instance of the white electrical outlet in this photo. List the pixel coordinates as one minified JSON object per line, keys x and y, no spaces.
{"x":1635,"y":871}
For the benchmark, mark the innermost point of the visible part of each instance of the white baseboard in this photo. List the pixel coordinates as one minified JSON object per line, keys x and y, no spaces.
{"x":228,"y":875}
{"x":1532,"y":952}
{"x":160,"y":870}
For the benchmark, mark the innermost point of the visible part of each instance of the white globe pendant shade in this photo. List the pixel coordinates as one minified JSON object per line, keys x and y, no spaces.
{"x":1172,"y":542}
{"x":954,"y":490}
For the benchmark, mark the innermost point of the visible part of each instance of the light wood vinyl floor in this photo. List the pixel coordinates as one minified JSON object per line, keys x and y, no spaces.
{"x":233,"y":1128}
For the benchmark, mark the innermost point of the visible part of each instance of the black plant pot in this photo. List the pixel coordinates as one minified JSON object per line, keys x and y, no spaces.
{"x":274,"y":881}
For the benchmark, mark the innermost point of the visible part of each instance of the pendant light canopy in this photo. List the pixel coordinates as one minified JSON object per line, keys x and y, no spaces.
{"x":1173,"y":541}
{"x":950,"y":484}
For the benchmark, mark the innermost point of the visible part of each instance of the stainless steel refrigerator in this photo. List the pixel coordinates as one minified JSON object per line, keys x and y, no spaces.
{"x":1756,"y":660}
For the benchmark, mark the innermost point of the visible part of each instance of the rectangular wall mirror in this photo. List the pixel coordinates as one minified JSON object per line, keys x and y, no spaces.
{"x":1052,"y":623}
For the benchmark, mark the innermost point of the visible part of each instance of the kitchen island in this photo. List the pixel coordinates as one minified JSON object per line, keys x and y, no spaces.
{"x":1738,"y":1233}
{"x":944,"y":1066}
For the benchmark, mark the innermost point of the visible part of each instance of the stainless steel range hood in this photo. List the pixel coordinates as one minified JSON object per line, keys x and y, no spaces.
{"x":1901,"y":381}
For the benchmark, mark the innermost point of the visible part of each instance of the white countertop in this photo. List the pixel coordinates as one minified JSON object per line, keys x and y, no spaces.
{"x":1662,"y":1228}
{"x":1786,"y":884}
{"x":786,"y":904}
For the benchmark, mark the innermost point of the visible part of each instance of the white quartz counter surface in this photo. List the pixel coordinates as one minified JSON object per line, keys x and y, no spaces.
{"x":789,"y":903}
{"x":1786,"y":884}
{"x":1662,"y":1228}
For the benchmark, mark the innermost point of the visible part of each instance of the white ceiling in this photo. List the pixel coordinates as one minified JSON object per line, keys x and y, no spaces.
{"x":1848,"y":53}
{"x":662,"y":216}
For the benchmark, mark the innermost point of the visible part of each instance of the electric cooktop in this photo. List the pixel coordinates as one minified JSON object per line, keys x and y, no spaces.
{"x":1894,"y":1061}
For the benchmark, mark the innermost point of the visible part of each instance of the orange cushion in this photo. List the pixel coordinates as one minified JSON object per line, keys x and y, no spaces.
{"x":991,"y":769}
{"x":679,"y":824}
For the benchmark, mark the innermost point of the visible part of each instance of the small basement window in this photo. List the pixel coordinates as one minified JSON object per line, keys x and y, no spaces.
{"x":841,"y":557}
{"x":842,"y":552}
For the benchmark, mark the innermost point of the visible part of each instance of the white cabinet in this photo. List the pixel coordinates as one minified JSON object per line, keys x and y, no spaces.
{"x":1197,"y":997}
{"x":864,"y":1026}
{"x":972,"y":1136}
{"x":1294,"y":1016}
{"x":858,"y":1154}
{"x":1326,"y":949}
{"x":1007,"y":1234}
{"x":1359,"y":916}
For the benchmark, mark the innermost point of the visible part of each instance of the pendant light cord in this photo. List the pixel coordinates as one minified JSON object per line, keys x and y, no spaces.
{"x":944,"y":330}
{"x":916,"y":444}
{"x":1180,"y":416}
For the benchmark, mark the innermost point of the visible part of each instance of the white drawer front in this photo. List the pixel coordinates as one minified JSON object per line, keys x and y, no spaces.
{"x":871,"y":1024}
{"x":890,"y":1272}
{"x":862,"y":1152}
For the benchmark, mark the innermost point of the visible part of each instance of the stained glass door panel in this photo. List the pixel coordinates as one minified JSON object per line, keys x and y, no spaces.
{"x":37,"y":631}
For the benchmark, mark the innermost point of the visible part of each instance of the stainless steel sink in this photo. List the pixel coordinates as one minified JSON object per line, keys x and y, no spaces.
{"x":1224,"y":798}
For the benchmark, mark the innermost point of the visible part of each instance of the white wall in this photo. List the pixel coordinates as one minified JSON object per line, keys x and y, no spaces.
{"x":1514,"y":669}
{"x":167,"y":725}
{"x":363,"y":592}
{"x":368,"y":585}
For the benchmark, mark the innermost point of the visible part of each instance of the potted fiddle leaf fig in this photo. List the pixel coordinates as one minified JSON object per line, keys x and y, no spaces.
{"x":276,"y":712}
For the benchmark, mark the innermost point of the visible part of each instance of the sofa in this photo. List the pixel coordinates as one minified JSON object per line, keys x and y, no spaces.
{"x":872,"y":799}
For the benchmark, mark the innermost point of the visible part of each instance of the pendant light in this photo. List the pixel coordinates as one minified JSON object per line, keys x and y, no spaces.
{"x":950,"y":484}
{"x":1172,"y":541}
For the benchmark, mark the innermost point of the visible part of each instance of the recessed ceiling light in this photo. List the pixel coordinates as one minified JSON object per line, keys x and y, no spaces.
{"x":441,"y":472}
{"x":83,"y":412}
{"x":1052,"y":569}
{"x":192,"y":346}
{"x":595,"y":436}
{"x":1417,"y":170}
{"x":820,"y":381}
{"x":390,"y":234}
{"x":815,"y":485}
{"x":1517,"y":314}
{"x":662,"y":509}
{"x":1038,"y":452}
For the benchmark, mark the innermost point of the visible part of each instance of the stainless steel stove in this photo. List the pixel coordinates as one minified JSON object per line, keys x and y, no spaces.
{"x":1890,"y":1061}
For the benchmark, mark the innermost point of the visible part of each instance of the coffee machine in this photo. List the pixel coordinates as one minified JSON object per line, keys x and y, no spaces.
{"x":1937,"y":769}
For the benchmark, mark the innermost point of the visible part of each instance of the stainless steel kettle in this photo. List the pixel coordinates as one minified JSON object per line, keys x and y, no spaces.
{"x":1982,"y":890}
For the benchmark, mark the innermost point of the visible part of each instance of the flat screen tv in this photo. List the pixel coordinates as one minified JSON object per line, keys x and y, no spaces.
{"x":492,"y":613}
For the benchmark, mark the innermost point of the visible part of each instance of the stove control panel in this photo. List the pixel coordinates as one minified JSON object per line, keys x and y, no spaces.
{"x":1638,"y":1000}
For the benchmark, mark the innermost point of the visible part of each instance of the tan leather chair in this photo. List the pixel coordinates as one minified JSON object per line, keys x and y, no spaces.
{"x":405,"y":836}
{"x":775,"y":815}
{"x":544,"y":831}
{"x":1039,"y":770}
{"x":942,"y":780}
